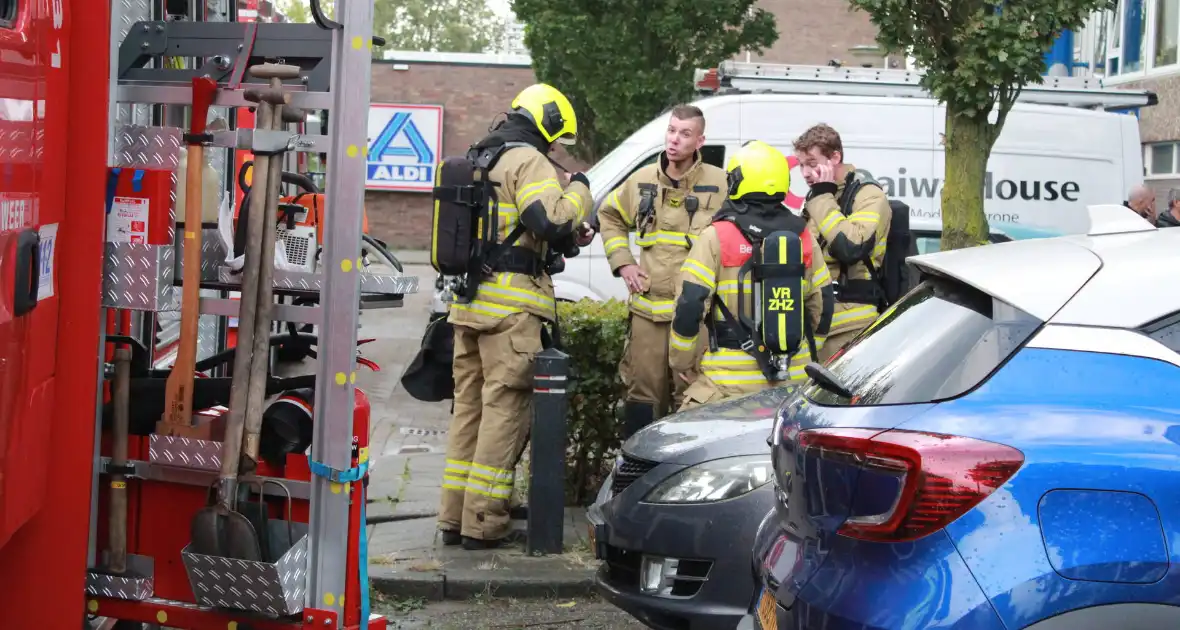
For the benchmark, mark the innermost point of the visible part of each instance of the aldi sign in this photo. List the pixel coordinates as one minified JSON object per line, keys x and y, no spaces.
{"x":404,"y":146}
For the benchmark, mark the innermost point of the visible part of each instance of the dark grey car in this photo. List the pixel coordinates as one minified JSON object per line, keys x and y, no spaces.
{"x":676,"y":518}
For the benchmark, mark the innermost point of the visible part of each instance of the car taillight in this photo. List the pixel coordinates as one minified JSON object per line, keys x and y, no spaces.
{"x":941,"y":477}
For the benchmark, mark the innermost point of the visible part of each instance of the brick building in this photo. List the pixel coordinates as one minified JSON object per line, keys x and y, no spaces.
{"x":473,"y":88}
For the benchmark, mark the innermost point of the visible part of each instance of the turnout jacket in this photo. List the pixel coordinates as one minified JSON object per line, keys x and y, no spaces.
{"x":528,"y":193}
{"x":845,"y":240}
{"x":710,"y":272}
{"x":679,"y":210}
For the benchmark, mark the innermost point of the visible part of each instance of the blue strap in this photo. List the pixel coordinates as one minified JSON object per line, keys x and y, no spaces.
{"x":339,"y":476}
{"x":137,"y":180}
{"x":112,"y":185}
{"x":363,"y":562}
{"x":348,"y":476}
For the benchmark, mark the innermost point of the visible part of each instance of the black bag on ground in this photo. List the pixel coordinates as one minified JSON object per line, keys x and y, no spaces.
{"x":429,"y":377}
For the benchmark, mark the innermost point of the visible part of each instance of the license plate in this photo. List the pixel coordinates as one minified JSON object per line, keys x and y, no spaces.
{"x":767,"y":611}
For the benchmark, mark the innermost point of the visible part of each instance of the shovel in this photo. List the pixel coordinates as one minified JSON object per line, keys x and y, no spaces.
{"x":219,"y":529}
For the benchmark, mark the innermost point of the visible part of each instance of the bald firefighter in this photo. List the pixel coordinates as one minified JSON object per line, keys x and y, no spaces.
{"x":667,"y":204}
{"x":507,"y":296}
{"x":758,"y":279}
{"x":851,"y":222}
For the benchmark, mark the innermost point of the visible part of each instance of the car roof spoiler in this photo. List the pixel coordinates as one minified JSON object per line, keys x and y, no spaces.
{"x":1115,"y":219}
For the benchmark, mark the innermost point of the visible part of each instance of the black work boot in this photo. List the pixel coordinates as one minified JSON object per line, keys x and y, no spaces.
{"x":479,"y":544}
{"x":636,"y":415}
{"x":451,"y":537}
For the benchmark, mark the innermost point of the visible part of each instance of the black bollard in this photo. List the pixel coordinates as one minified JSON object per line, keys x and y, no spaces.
{"x":546,"y":515}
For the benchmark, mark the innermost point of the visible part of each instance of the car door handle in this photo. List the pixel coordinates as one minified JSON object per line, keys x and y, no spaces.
{"x":26,"y":279}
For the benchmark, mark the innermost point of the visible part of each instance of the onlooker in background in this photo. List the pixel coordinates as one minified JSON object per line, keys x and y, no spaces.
{"x":1142,"y":200}
{"x":1171,"y":217}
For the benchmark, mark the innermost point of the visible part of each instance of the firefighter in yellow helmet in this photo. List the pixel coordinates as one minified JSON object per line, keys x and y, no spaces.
{"x":499,"y":331}
{"x":758,"y":279}
{"x":666,"y":204}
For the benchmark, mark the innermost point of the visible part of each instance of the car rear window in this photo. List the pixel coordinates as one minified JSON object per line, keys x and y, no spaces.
{"x":941,"y":340}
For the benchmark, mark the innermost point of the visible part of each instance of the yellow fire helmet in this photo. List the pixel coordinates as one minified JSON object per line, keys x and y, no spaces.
{"x":758,"y":169}
{"x":550,"y":110}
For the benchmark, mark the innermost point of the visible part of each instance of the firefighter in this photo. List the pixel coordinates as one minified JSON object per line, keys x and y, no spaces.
{"x":744,"y":358}
{"x":667,"y":203}
{"x":498,"y":332}
{"x":847,"y":239}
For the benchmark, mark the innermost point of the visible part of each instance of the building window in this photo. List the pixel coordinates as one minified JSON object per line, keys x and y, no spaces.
{"x":1138,"y":37}
{"x":1159,"y":159}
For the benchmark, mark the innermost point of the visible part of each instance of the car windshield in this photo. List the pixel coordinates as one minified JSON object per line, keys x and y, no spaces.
{"x":939,"y":341}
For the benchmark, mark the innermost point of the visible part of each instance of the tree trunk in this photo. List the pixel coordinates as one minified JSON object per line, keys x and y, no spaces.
{"x":968,"y":144}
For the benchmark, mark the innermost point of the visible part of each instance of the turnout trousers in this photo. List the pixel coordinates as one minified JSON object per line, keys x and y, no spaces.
{"x":493,"y":372}
{"x":652,"y":390}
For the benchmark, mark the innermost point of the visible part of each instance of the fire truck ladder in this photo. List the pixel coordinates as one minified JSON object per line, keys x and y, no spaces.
{"x":153,"y":62}
{"x":742,"y":77}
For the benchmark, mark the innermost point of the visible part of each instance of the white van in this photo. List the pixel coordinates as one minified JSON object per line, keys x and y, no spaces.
{"x":1048,"y":165}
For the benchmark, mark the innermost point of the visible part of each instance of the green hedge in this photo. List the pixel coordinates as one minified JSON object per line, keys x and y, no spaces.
{"x":593,"y":334}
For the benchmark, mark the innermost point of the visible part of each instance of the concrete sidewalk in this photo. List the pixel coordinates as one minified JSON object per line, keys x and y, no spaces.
{"x":408,"y":447}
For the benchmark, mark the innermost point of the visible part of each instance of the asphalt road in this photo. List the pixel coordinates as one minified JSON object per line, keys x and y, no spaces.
{"x":506,"y":614}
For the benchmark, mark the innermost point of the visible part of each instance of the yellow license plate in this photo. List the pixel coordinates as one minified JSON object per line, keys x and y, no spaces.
{"x":767,"y":611}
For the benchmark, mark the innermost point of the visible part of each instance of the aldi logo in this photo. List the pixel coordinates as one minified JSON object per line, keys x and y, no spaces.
{"x":404,"y":146}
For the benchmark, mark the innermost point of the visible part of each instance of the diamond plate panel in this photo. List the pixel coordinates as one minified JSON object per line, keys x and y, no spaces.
{"x":207,"y":329}
{"x":182,"y":452}
{"x":115,"y":587}
{"x":212,"y":255}
{"x":137,"y":583}
{"x":139,"y":277}
{"x":275,"y":590}
{"x":390,"y":284}
{"x":149,"y":147}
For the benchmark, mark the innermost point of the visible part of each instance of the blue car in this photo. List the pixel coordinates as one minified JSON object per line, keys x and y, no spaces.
{"x":1000,"y":450}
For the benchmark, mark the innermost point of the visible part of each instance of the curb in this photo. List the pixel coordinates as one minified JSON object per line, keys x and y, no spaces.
{"x":459,"y":585}
{"x":394,"y":518}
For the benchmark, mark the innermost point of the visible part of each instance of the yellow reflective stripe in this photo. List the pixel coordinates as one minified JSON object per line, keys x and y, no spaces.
{"x":703,"y":273}
{"x":489,"y":470}
{"x":654,"y":307}
{"x":819,"y":343}
{"x":860,"y":313}
{"x":830,"y":223}
{"x":682,"y":343}
{"x":515,"y":295}
{"x":679,"y":239}
{"x":454,"y":480}
{"x":575,"y":198}
{"x":529,"y":192}
{"x":499,"y":479}
{"x":613,"y":244}
{"x":459,"y":464}
{"x":818,"y":278}
{"x":489,"y":491}
{"x":487,"y":308}
{"x":736,"y":377}
{"x":864,"y":216}
{"x":452,"y":486}
{"x":612,"y":200}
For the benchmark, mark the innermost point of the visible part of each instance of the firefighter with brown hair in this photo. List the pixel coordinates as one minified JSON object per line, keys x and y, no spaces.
{"x":852,"y":232}
{"x":667,"y":204}
{"x":758,"y":280}
{"x":498,"y":332}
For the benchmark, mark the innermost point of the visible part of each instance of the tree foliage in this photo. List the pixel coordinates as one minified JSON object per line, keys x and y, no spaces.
{"x":621,"y":63}
{"x":976,"y":55}
{"x":423,"y":25}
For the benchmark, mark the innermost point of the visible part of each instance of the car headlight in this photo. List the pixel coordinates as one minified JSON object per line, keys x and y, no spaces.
{"x":715,"y":480}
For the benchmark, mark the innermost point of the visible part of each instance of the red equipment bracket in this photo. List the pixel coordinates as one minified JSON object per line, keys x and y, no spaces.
{"x":189,"y":617}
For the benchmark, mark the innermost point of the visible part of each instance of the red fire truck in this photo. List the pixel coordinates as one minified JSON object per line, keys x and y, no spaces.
{"x":103,"y":138}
